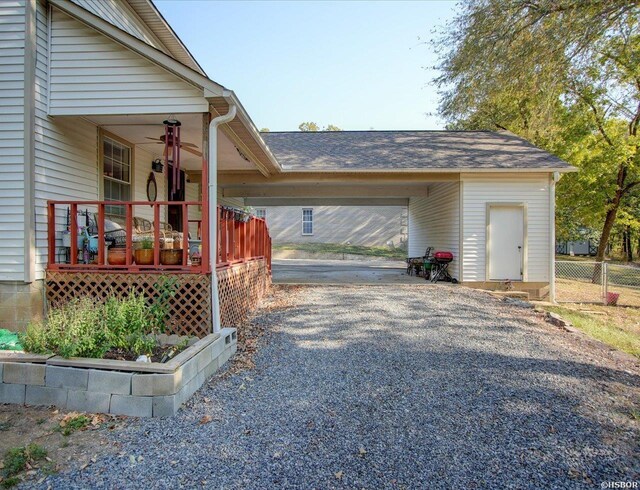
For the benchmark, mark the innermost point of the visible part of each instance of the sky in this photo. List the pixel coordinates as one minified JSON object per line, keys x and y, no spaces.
{"x":357,"y":65}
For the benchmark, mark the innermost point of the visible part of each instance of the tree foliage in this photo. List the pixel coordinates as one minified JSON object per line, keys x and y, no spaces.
{"x":311,"y":126}
{"x":564,"y":74}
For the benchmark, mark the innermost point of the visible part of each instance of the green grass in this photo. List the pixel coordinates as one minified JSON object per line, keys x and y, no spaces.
{"x":601,"y":329}
{"x":339,"y":248}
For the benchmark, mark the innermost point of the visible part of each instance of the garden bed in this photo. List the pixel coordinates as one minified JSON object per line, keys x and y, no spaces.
{"x":119,"y":387}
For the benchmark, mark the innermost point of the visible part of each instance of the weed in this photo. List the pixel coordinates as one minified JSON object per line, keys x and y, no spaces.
{"x":16,"y":459}
{"x":5,"y":426}
{"x":72,"y":423}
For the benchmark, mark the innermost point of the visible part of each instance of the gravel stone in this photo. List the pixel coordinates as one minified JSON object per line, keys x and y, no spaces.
{"x":402,"y":387}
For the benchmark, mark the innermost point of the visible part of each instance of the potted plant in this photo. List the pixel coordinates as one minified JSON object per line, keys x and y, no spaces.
{"x":144,"y":254}
{"x":117,"y":255}
{"x":171,"y":256}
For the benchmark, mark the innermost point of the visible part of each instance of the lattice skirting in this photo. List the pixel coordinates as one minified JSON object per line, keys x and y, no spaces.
{"x":190,"y":312}
{"x":241,"y":287}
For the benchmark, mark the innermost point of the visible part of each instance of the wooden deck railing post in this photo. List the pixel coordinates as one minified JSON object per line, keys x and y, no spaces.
{"x":101,"y":258}
{"x":51,"y":238}
{"x":230,"y":237}
{"x":128,"y":233}
{"x":73,"y":220}
{"x":185,"y":234}
{"x":156,"y":234}
{"x":222,"y":227}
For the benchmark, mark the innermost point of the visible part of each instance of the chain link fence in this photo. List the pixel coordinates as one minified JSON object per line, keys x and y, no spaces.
{"x":597,"y":282}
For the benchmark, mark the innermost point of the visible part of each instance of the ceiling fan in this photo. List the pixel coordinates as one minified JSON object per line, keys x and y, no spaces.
{"x":189,"y":147}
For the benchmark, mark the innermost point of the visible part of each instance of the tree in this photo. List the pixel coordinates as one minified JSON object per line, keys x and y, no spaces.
{"x":564,"y":74}
{"x":265,"y":130}
{"x":308,"y":126}
{"x":311,"y":126}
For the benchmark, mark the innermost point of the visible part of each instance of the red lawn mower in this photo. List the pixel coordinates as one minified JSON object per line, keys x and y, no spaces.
{"x":433,"y":266}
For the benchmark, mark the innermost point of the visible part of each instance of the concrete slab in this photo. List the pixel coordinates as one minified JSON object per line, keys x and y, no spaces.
{"x":309,"y":271}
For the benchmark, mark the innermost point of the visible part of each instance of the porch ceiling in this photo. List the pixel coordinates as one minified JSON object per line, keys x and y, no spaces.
{"x":142,"y":130}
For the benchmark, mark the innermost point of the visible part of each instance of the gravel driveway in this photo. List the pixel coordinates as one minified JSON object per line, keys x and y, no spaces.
{"x":395,"y":387}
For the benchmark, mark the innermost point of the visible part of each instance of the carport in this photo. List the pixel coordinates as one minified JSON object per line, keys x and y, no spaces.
{"x":488,"y":197}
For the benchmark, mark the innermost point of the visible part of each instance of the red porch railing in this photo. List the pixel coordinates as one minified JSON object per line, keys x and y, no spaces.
{"x":240,"y":238}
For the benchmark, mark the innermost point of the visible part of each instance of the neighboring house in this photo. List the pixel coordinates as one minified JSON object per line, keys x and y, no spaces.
{"x":86,"y":88}
{"x":581,"y":247}
{"x":372,"y":226}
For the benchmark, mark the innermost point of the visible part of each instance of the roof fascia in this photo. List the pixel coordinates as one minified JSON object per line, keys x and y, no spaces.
{"x":433,"y":170}
{"x":231,"y":98}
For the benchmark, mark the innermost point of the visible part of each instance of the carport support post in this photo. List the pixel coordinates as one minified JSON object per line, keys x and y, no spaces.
{"x":213,"y":210}
{"x":555,"y":176}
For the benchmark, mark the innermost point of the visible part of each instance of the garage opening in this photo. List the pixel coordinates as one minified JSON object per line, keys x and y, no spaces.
{"x":360,"y":240}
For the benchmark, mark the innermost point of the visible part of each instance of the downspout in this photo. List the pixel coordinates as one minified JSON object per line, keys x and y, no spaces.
{"x":555,"y":176}
{"x":213,"y":210}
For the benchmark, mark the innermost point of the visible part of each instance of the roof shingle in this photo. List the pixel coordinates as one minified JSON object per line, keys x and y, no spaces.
{"x":402,"y":150}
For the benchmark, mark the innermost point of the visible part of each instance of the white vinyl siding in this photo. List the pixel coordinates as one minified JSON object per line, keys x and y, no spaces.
{"x":434,"y":221}
{"x":12,"y":44}
{"x":92,"y":75}
{"x":372,"y":226}
{"x":192,"y":193}
{"x":531,"y":190}
{"x":66,"y":153}
{"x":234,"y":202}
{"x":141,"y":171}
{"x":120,"y":15}
{"x":307,"y":221}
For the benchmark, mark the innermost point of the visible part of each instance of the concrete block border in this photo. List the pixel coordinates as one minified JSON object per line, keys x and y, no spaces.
{"x":115,"y":387}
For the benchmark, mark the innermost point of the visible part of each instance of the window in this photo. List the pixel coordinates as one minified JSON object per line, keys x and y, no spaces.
{"x":116,"y":174}
{"x":307,"y":221}
{"x":261,"y":213}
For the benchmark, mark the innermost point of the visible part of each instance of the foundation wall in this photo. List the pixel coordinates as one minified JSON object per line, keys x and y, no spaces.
{"x":20,"y":303}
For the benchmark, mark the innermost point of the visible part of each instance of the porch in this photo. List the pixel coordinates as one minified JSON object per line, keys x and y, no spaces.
{"x":93,"y":255}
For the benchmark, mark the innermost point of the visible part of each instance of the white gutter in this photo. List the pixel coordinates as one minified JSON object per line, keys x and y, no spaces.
{"x":552,"y":236}
{"x":213,"y":210}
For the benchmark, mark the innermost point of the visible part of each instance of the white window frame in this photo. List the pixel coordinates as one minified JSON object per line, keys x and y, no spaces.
{"x":106,"y":135}
{"x":263,"y":211}
{"x":307,"y":221}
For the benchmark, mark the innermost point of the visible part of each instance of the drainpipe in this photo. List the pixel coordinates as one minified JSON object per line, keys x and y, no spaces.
{"x":213,"y":210}
{"x":552,"y":236}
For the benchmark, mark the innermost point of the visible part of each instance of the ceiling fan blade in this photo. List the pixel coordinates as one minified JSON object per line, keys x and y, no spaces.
{"x":150,"y":138}
{"x":192,"y":145}
{"x":194,"y":152}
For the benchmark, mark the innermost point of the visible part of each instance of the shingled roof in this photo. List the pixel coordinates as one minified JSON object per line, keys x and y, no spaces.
{"x":404,"y":150}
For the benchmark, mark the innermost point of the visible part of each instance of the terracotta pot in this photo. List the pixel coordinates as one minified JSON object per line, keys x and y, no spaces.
{"x":143,"y":256}
{"x":117,"y":256}
{"x":171,"y":257}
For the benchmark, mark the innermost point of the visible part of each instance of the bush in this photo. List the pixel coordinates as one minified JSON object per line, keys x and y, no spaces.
{"x":75,"y":329}
{"x":84,"y":327}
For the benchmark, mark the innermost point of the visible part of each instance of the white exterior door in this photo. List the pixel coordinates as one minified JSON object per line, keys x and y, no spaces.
{"x":506,"y":243}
